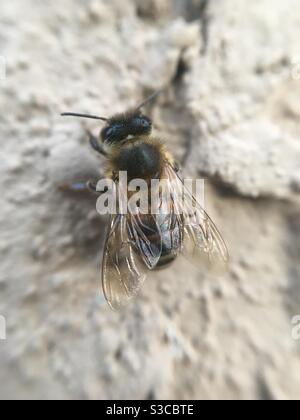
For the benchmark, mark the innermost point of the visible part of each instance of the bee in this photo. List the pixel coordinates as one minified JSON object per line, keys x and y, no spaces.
{"x":138,"y":243}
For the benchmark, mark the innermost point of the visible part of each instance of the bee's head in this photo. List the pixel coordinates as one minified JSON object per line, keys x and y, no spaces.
{"x":122,"y":128}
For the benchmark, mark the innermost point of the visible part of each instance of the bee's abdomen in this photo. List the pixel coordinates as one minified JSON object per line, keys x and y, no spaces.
{"x":167,"y":257}
{"x":170,"y":238}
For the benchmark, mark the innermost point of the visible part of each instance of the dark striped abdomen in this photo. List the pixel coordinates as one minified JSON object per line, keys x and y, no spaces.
{"x":170,"y":236}
{"x":171,"y":239}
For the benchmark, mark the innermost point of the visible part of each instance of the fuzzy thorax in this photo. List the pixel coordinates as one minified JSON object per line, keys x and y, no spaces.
{"x":141,"y":158}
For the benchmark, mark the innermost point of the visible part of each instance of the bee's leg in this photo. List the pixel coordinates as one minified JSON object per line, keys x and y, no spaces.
{"x":95,"y":144}
{"x":74,"y":187}
{"x":81,"y":187}
{"x":115,"y":176}
{"x":176,"y":166}
{"x":91,"y":186}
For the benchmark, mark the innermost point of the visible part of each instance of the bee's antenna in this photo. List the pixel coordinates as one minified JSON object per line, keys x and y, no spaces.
{"x":93,"y":117}
{"x":151,"y":98}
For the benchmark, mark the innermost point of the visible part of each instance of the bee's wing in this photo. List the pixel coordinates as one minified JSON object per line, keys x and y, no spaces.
{"x":202,"y":242}
{"x":145,"y":234}
{"x":133,"y":246}
{"x":123,"y":273}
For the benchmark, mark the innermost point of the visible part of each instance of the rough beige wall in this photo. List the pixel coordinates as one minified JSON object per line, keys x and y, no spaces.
{"x":231,"y":113}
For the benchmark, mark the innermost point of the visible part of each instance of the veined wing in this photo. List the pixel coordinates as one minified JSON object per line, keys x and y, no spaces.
{"x":133,"y":247}
{"x":202,"y":242}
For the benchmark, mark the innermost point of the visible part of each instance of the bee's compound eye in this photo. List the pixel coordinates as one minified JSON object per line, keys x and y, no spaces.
{"x":145,"y":123}
{"x":142,"y":125}
{"x":110,"y":133}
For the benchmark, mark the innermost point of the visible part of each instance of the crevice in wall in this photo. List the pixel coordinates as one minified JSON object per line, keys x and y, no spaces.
{"x":183,"y":117}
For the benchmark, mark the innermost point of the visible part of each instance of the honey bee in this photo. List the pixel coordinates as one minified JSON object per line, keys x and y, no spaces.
{"x":138,"y":243}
